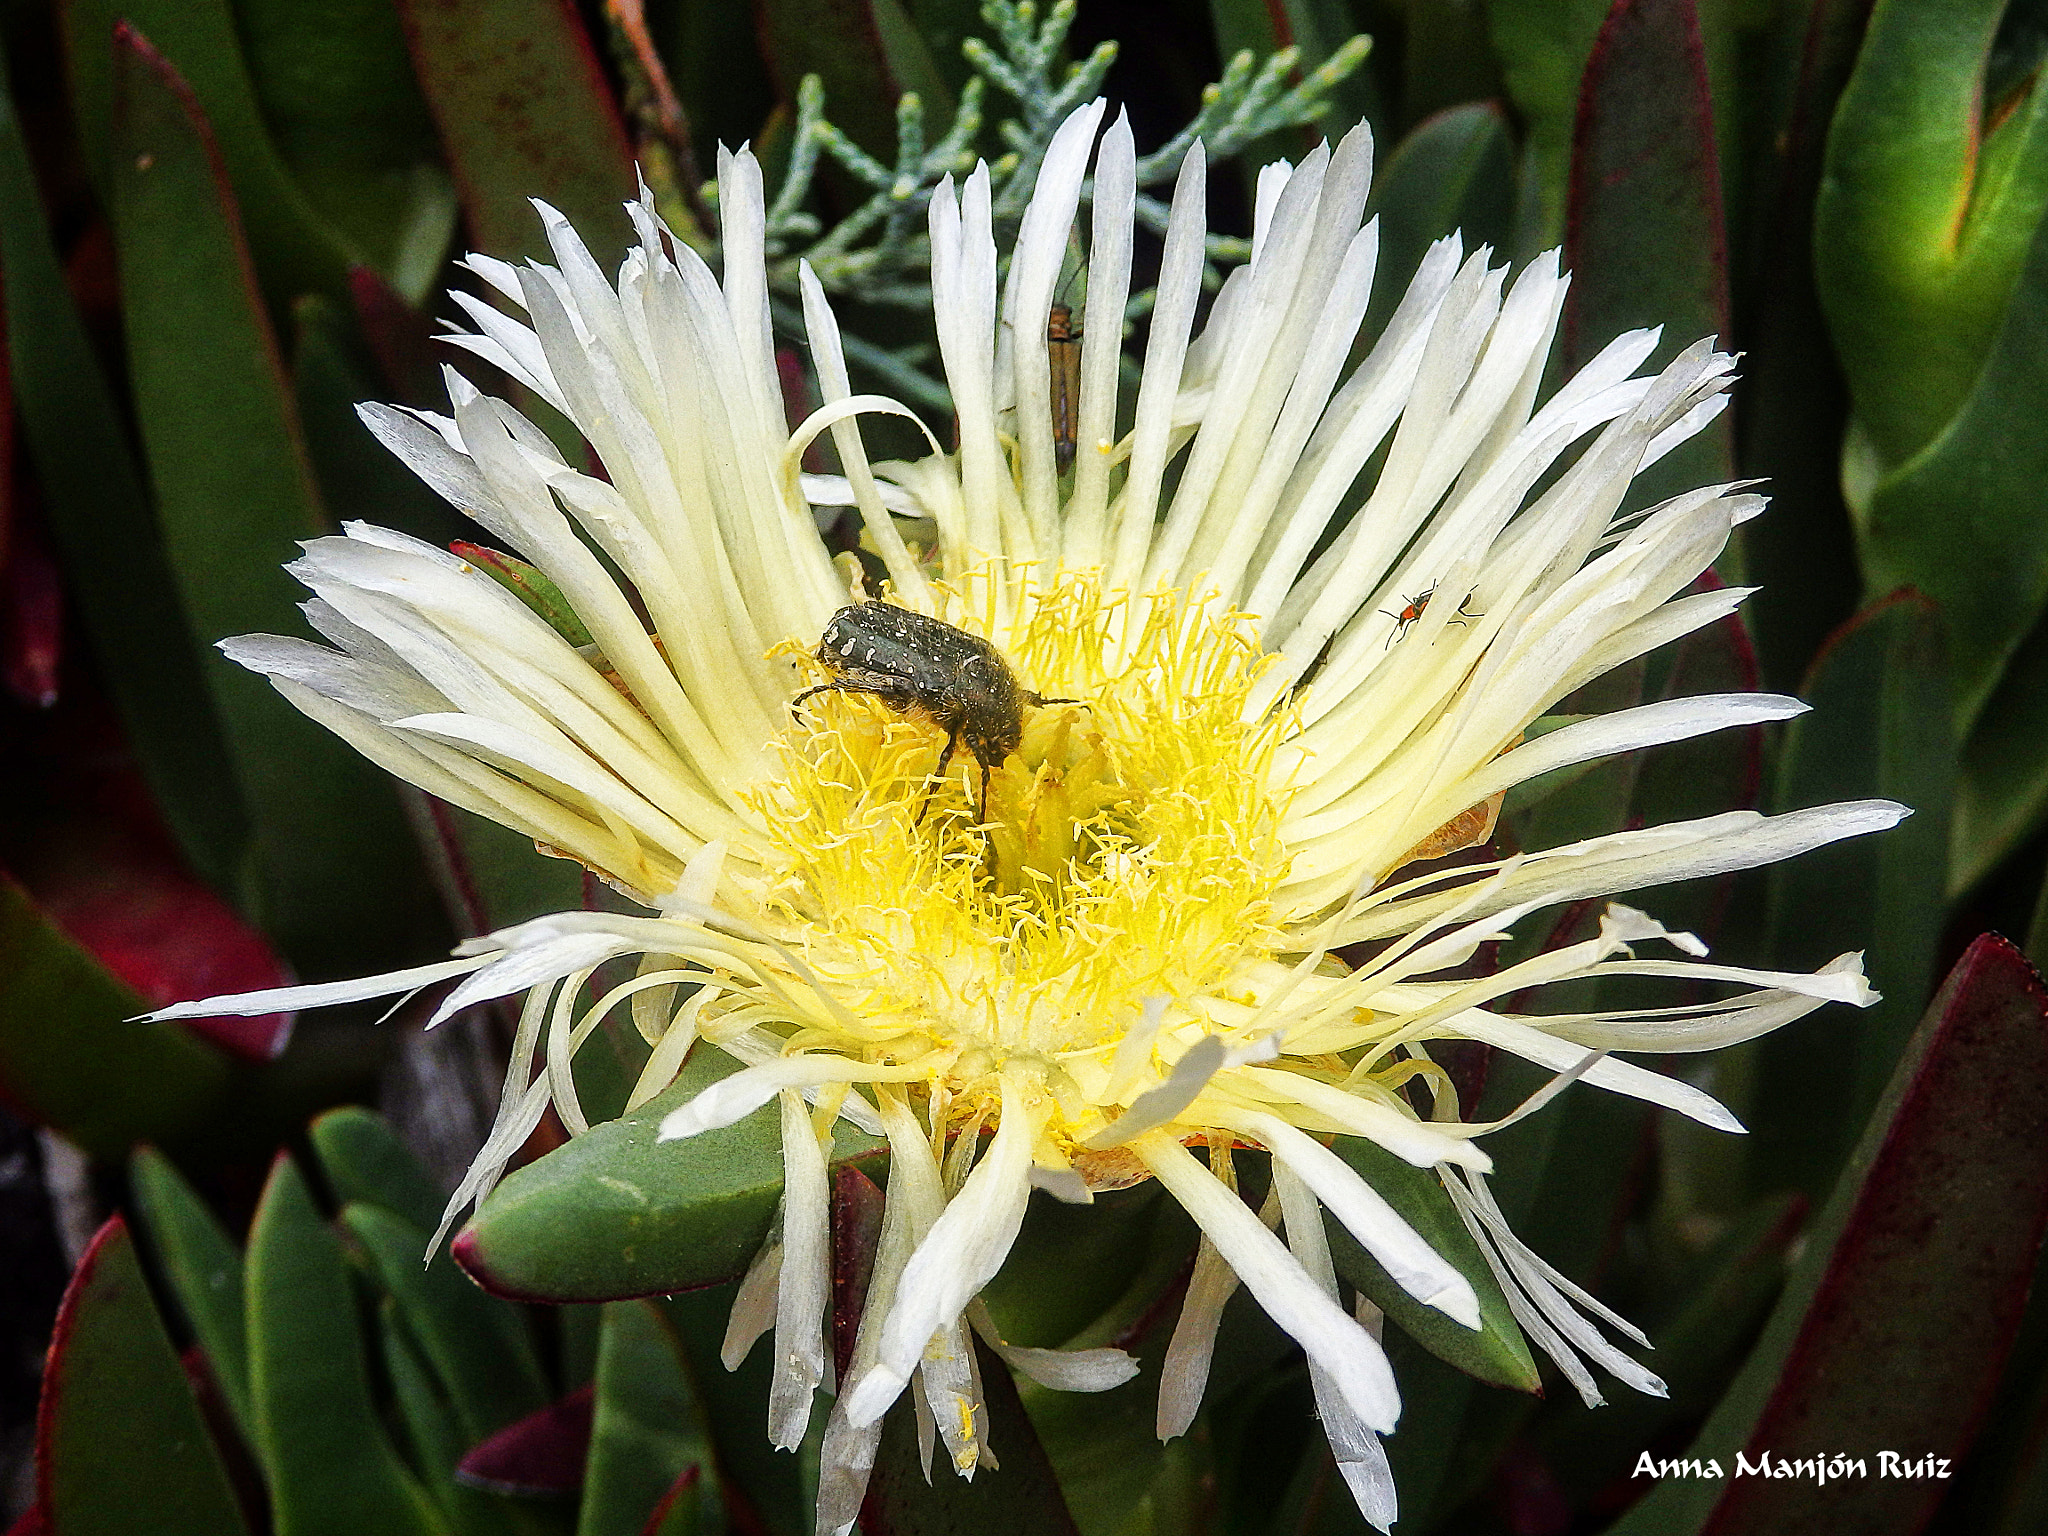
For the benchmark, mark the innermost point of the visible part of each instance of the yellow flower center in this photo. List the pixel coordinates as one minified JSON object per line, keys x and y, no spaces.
{"x":1129,"y":853}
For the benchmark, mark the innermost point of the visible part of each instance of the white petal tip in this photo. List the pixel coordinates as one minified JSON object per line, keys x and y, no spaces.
{"x":872,"y":1395}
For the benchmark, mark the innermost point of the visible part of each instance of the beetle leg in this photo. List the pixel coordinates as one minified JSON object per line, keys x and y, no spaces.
{"x":832,"y":687}
{"x":945,"y":757}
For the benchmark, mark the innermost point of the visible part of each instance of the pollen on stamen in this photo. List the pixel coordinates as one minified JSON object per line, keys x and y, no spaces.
{"x":1130,"y":849}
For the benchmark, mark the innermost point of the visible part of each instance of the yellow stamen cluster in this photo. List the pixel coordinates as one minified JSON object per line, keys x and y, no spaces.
{"x":1129,"y":853}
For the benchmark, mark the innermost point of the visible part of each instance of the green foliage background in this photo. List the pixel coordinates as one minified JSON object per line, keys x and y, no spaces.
{"x":223,"y":222}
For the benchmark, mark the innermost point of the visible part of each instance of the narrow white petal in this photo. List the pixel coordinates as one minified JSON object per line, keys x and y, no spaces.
{"x":806,"y":1278}
{"x":1381,"y":1230}
{"x":961,"y":1254}
{"x":1291,"y":1298}
{"x":246,"y":1005}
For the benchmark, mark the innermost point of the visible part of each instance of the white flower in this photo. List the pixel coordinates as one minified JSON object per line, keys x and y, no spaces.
{"x":1237,"y":755}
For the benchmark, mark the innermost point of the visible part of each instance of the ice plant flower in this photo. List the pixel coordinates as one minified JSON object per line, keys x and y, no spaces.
{"x":1178,"y":892}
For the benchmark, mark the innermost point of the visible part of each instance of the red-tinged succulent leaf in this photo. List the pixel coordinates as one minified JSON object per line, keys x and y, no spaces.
{"x":530,"y":585}
{"x":126,"y":603}
{"x":524,"y":112}
{"x":650,"y":1429}
{"x":677,"y":1514}
{"x":335,"y":874}
{"x":856,"y":1232}
{"x":539,"y":1454}
{"x":172,"y":940}
{"x":69,"y":1057}
{"x":33,"y":1523}
{"x":118,"y":1430}
{"x":1896,"y":1322}
{"x":296,"y":249}
{"x":1644,"y":238}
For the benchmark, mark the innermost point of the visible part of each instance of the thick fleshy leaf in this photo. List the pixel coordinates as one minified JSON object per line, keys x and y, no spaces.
{"x":364,"y":1162}
{"x":338,"y":94}
{"x":1897,"y":1318}
{"x":865,"y":52}
{"x":1494,"y":1352}
{"x":542,"y":1453}
{"x":2002,"y":783}
{"x":1543,"y":46}
{"x":1880,"y":726}
{"x":332,"y":372}
{"x":616,"y":1214}
{"x":99,"y":516}
{"x":1795,"y":402}
{"x":1988,"y":570}
{"x":335,"y":880}
{"x":1454,"y":172}
{"x":1922,"y":226}
{"x":296,"y":250}
{"x":761,"y":1488}
{"x":119,"y":1431}
{"x":203,"y":1269}
{"x":1071,"y":1263}
{"x":648,"y":1431}
{"x":70,"y":1058}
{"x":475,"y":1345}
{"x":1644,"y":239}
{"x":524,"y":112}
{"x":327,"y":1461}
{"x":1023,"y":1495}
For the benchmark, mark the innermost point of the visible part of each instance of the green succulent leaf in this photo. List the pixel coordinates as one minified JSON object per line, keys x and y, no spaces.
{"x":1965,"y":520}
{"x":1542,"y":46}
{"x":1644,"y":241}
{"x":1924,"y":220}
{"x":336,"y":89}
{"x":327,"y":1461}
{"x":524,"y":112}
{"x":197,"y":42}
{"x":120,"y":1432}
{"x":616,"y":1214}
{"x":531,"y":586}
{"x":365,"y":1163}
{"x":202,"y":1267}
{"x":2002,"y":782}
{"x":476,"y":1345}
{"x":1494,"y":1352}
{"x":99,"y":514}
{"x":648,"y":1432}
{"x":1897,"y":1318}
{"x":1880,"y":726}
{"x":1454,"y":172}
{"x":332,"y":858}
{"x":71,"y":1059}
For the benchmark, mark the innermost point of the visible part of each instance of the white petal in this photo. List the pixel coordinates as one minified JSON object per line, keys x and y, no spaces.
{"x":246,"y":1005}
{"x":1292,"y":1299}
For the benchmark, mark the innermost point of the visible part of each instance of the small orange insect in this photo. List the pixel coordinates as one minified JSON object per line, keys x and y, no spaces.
{"x":1063,"y":351}
{"x":1413,"y":611}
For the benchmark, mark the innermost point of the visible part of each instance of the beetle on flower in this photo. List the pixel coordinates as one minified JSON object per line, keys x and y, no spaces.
{"x":1197,"y":916}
